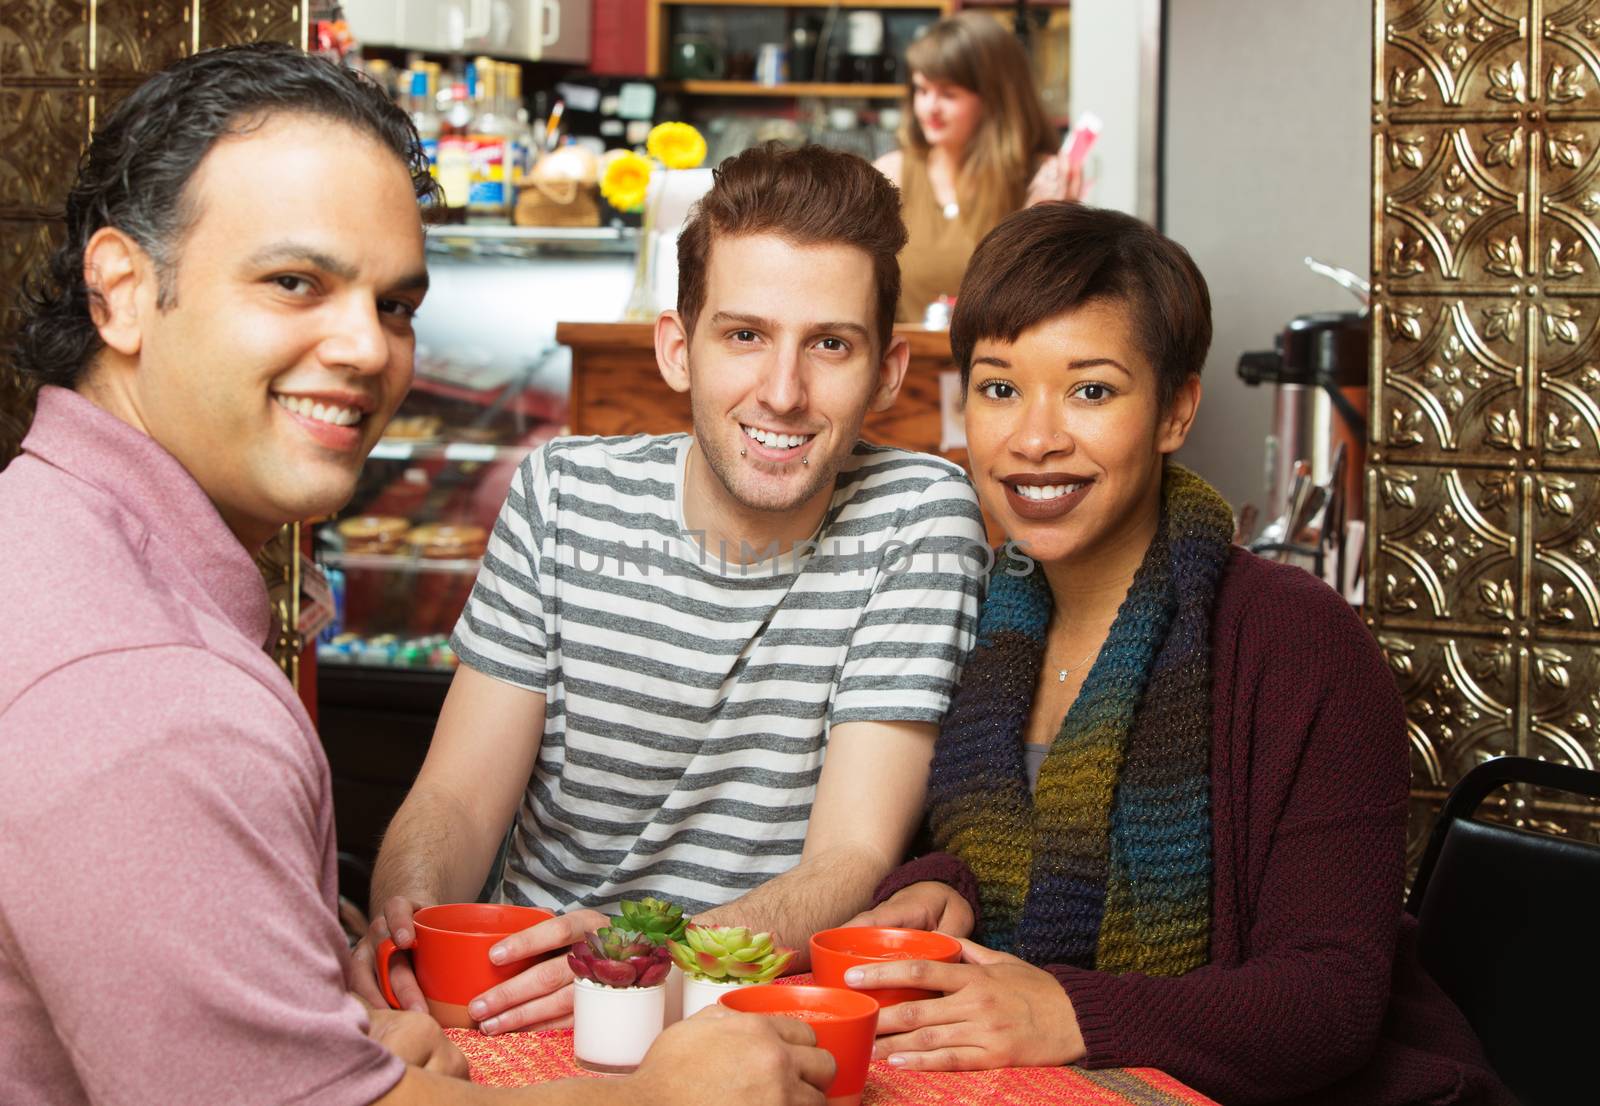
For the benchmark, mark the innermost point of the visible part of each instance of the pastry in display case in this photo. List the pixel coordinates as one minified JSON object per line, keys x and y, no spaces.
{"x":401,"y":559}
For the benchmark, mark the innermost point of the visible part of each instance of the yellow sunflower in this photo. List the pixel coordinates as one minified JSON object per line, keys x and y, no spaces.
{"x":625,"y":182}
{"x":676,"y":145}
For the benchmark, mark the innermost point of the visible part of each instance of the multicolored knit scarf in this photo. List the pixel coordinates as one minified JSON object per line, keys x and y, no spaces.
{"x":1108,"y":864}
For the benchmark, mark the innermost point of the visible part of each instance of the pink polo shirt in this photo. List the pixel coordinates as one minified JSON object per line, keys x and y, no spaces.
{"x":167,"y":866}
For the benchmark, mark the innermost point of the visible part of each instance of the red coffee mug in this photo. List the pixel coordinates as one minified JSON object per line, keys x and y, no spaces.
{"x":845,"y":1022}
{"x":836,"y":951}
{"x":451,"y":956}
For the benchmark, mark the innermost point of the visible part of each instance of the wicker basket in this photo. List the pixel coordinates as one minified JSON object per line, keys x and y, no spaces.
{"x":560,"y":203}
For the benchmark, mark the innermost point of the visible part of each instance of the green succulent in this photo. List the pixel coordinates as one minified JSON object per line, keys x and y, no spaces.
{"x":729,"y":953}
{"x":658,"y":920}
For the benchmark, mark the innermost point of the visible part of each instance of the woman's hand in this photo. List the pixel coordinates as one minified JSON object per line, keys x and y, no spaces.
{"x":926,"y":905}
{"x":996,"y":1012}
{"x":1057,"y":179}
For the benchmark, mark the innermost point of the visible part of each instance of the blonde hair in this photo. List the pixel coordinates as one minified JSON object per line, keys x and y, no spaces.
{"x":973,"y":50}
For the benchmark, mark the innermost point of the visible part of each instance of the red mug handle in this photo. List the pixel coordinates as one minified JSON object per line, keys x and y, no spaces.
{"x":386,"y":950}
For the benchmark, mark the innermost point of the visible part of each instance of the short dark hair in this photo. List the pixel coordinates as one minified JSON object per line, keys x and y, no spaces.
{"x":808,"y":195}
{"x":1045,"y":260}
{"x":135,"y":175}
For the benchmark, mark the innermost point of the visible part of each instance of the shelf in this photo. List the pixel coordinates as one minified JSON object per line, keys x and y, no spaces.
{"x":398,"y":449}
{"x":791,"y":88}
{"x":493,"y":240}
{"x":385,"y":562}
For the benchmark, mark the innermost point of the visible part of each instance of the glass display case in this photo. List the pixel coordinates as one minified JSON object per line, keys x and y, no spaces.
{"x":491,"y":384}
{"x":401,"y":559}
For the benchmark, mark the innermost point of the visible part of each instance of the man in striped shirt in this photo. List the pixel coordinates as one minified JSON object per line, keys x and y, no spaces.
{"x":709,"y":667}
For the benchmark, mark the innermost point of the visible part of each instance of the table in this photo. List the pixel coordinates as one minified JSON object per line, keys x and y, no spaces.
{"x":518,"y":1059}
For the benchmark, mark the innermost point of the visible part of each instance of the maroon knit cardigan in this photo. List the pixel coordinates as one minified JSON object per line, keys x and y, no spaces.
{"x":1313,"y":993}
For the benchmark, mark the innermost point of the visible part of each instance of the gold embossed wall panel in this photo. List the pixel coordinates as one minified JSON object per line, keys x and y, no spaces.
{"x":230,"y":22}
{"x":134,"y":38}
{"x":1484,"y":484}
{"x":43,"y":39}
{"x":41,"y":135}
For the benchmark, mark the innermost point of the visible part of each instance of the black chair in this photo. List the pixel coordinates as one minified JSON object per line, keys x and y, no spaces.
{"x":1509,"y":925}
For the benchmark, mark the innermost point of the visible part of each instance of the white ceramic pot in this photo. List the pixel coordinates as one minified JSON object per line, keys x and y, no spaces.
{"x":613,"y":1027}
{"x":674,"y":995}
{"x":699,"y":993}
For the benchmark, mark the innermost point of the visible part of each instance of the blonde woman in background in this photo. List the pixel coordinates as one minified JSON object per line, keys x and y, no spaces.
{"x":975,"y":146}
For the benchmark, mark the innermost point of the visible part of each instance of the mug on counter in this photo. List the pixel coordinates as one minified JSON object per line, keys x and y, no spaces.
{"x":451,"y":956}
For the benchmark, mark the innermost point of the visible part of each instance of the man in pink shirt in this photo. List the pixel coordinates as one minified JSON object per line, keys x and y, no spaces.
{"x":223,"y":335}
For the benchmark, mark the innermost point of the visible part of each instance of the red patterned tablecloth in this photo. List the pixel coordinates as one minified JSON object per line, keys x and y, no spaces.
{"x":518,"y":1059}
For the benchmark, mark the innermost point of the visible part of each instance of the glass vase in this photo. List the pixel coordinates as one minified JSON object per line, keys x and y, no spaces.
{"x":642,"y":302}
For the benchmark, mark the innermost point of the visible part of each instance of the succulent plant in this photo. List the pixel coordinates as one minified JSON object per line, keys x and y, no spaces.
{"x":617,"y":957}
{"x":658,"y":920}
{"x":729,"y":953}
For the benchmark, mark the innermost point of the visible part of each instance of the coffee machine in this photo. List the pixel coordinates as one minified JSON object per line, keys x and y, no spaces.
{"x":1321,"y":354}
{"x":1316,"y":444}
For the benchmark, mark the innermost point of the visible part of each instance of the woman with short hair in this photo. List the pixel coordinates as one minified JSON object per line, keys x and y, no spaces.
{"x":1171,"y":792}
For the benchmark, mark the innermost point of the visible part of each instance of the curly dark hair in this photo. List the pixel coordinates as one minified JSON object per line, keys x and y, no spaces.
{"x":135,"y":173}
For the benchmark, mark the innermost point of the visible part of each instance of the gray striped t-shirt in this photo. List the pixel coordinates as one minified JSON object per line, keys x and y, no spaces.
{"x":688,"y":696}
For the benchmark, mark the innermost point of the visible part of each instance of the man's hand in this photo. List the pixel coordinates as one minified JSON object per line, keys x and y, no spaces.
{"x":395,"y":919}
{"x":996,"y":1012}
{"x":927,"y":905}
{"x":541,"y":997}
{"x":717,"y":1057}
{"x":416,"y":1039}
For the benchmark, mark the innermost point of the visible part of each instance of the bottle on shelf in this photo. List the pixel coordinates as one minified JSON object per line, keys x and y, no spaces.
{"x":382,"y":73}
{"x":522,"y":139}
{"x":489,"y":197}
{"x":455,"y":148}
{"x":425,"y":116}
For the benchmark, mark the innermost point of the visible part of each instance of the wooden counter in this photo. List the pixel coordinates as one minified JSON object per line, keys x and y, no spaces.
{"x":616,"y":388}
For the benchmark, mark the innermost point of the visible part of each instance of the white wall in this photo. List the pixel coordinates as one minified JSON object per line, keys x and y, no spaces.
{"x":1267,"y":152}
{"x":1113,"y":74}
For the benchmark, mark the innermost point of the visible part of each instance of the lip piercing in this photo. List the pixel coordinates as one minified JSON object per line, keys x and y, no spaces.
{"x":742,"y":452}
{"x":805,"y":460}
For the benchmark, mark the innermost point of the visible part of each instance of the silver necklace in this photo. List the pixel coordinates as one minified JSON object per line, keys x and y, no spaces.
{"x":1061,"y":673}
